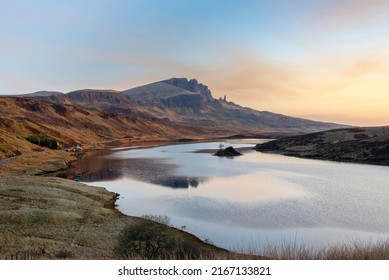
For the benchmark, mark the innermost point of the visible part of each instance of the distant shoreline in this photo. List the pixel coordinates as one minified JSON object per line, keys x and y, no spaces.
{"x":353,"y":145}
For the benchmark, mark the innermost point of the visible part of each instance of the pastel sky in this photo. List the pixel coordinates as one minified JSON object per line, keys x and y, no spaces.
{"x":324,"y":59}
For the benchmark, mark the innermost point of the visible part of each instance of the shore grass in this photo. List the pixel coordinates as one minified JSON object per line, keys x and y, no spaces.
{"x":347,"y":250}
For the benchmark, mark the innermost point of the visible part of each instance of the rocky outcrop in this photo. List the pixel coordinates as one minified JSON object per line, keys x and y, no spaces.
{"x":227,"y":152}
{"x":190,"y":85}
{"x":193,"y":101}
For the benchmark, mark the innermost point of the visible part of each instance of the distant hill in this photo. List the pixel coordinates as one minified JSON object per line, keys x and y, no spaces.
{"x":102,"y":99}
{"x":188,"y":103}
{"x":362,"y":145}
{"x":41,"y":93}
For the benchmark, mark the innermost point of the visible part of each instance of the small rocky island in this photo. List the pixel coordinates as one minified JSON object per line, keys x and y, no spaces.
{"x":227,"y":152}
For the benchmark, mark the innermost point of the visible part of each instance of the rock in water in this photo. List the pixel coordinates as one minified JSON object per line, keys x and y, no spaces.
{"x":227,"y":152}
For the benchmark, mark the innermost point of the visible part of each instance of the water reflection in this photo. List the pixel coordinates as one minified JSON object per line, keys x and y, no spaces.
{"x":102,"y":167}
{"x":177,"y":182}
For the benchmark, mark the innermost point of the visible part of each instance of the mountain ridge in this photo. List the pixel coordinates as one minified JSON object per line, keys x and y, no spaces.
{"x":185,"y":102}
{"x":196,"y":105}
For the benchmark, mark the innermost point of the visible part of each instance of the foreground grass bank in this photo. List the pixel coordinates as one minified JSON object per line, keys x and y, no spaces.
{"x":59,"y":218}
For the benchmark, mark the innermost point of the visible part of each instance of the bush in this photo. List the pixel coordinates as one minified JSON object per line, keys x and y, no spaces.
{"x":64,"y":254}
{"x":147,"y":240}
{"x":43,"y":142}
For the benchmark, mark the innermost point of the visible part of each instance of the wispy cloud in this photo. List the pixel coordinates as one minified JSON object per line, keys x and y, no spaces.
{"x":249,"y":75}
{"x":367,"y":67}
{"x":329,"y":15}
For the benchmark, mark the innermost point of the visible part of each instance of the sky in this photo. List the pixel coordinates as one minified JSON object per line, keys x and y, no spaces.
{"x":325,"y":60}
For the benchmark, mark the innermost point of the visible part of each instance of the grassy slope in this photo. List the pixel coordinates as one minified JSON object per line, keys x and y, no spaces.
{"x":56,"y":215}
{"x":21,"y":117}
{"x":362,"y":145}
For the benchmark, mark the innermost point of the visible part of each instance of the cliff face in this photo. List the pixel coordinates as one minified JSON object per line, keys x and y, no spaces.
{"x":171,"y":95}
{"x":194,"y":102}
{"x":190,"y":85}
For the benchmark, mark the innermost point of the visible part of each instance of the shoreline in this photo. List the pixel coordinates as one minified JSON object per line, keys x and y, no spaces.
{"x":368,"y":145}
{"x":285,"y":153}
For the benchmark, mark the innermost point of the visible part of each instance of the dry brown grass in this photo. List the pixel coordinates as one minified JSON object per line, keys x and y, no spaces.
{"x":37,"y":163}
{"x":57,"y":215}
{"x":350,"y":250}
{"x":69,"y":219}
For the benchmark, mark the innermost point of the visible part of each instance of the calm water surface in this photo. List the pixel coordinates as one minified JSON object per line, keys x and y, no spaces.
{"x":256,"y":198}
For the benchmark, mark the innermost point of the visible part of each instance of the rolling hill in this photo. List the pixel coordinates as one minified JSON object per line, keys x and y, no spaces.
{"x":362,"y":145}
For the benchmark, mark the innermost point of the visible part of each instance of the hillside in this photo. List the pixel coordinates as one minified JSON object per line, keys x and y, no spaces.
{"x":69,"y":125}
{"x":362,"y":145}
{"x":102,"y":99}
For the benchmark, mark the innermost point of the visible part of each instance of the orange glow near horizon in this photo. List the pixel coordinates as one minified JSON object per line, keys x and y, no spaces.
{"x":348,"y":90}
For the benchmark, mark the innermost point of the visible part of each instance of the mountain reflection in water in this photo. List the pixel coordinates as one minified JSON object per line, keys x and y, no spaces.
{"x":155,"y":171}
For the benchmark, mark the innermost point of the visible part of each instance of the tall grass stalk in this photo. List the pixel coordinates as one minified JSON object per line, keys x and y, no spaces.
{"x":293,"y":250}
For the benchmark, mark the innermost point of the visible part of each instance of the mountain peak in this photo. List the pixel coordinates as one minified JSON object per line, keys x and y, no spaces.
{"x":191,"y":85}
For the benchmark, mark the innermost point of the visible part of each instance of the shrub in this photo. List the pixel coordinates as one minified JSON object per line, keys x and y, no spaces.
{"x":162,"y":219}
{"x":43,"y":142}
{"x":147,"y":240}
{"x":64,"y":254}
